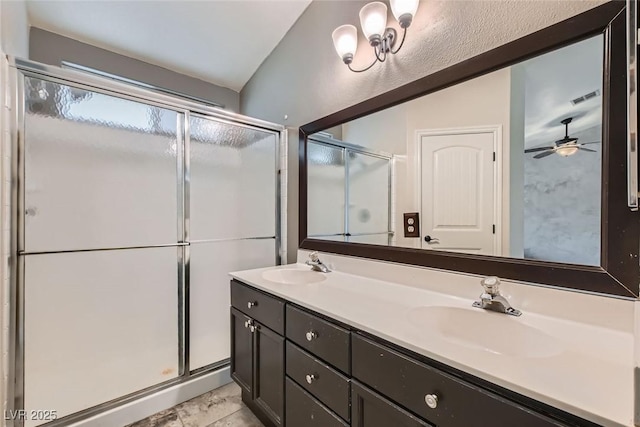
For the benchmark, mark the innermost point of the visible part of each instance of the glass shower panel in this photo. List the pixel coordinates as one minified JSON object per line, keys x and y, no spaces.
{"x":100,"y":171}
{"x":98,"y":325}
{"x":368,"y":194}
{"x":233,"y":180}
{"x":210,"y":265}
{"x":325,"y":190}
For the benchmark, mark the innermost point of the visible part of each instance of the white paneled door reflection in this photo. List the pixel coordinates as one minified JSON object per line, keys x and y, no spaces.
{"x":210,"y":293}
{"x":98,"y":325}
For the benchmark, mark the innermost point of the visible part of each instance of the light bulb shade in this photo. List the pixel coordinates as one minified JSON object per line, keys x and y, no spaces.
{"x":373,"y":20}
{"x":345,"y":40}
{"x":404,"y":11}
{"x":567,"y":150}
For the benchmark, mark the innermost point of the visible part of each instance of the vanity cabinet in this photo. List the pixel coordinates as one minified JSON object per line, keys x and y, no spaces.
{"x":258,"y":351}
{"x":337,"y":376}
{"x":372,"y":410}
{"x":436,"y":396}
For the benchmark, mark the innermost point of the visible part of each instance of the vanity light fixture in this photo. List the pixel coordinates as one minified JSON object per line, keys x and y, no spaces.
{"x":373,"y":21}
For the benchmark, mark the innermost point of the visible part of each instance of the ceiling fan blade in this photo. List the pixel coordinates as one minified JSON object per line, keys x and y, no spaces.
{"x":592,"y":142}
{"x":544,"y":154}
{"x":533,"y":150}
{"x":587,"y":149}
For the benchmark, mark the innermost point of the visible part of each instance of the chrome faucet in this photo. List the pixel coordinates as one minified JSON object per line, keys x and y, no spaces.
{"x":492,"y":300}
{"x":316,"y":264}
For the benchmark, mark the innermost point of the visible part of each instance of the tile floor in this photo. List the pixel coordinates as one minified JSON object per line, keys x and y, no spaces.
{"x":222,"y":407}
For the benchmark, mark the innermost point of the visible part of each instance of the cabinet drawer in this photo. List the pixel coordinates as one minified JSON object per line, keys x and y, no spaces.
{"x":305,"y":411}
{"x":325,"y":383}
{"x":265,"y":309}
{"x":459,"y":404}
{"x":323,"y":339}
{"x":372,"y":410}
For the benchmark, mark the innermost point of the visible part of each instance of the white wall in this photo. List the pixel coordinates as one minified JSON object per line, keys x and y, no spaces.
{"x":14,"y":28}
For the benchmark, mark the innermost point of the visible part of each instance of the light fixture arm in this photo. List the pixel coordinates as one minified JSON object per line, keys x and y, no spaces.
{"x":375,"y":61}
{"x":404,"y":35}
{"x":383,"y":47}
{"x":381,"y":50}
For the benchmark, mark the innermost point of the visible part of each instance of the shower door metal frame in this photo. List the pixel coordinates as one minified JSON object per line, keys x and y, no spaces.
{"x":346,"y":147}
{"x":19,"y":69}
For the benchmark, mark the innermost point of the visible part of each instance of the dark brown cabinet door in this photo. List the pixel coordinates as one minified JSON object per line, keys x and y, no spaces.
{"x":372,"y":410}
{"x":434,"y":395}
{"x":303,"y":410}
{"x":241,"y":350}
{"x":269,"y":372}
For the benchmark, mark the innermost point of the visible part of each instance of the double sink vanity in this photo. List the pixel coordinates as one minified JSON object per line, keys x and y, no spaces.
{"x":338,"y":349}
{"x":416,"y":196}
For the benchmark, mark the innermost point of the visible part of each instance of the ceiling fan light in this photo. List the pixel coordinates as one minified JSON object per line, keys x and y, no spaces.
{"x":404,"y":11}
{"x":345,"y":40}
{"x":567,"y":150}
{"x":373,"y":20}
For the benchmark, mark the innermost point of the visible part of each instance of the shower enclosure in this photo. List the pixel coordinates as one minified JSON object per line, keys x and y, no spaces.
{"x":130,"y":210}
{"x":349,"y":190}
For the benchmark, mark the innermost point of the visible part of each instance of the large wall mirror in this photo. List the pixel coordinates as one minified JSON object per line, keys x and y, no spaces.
{"x":505,"y":165}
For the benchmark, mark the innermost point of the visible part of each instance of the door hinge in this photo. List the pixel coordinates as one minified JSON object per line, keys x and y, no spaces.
{"x":494,"y":156}
{"x":494,"y":229}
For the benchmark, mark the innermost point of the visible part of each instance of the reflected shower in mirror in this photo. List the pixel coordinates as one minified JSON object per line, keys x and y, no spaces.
{"x":349,"y":191}
{"x":505,"y":164}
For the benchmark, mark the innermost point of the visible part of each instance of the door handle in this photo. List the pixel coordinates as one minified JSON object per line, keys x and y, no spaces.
{"x":430,"y":239}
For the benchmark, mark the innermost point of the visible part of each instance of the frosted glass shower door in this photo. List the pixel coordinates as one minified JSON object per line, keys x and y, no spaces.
{"x":100,"y":171}
{"x":98,"y":325}
{"x":210,"y":292}
{"x":233,"y":176}
{"x":326,"y":184}
{"x":369,"y":202}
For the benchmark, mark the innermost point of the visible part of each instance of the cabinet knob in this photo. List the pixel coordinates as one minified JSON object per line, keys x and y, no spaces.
{"x":311,"y":335}
{"x":252,"y":304}
{"x":247,"y":323}
{"x":253,"y":328}
{"x":431,"y":400}
{"x":311,"y":378}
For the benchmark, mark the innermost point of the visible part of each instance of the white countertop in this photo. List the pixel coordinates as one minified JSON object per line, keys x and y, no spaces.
{"x":589,"y":373}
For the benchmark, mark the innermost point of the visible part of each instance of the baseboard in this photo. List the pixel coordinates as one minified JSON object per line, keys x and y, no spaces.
{"x":164,"y":399}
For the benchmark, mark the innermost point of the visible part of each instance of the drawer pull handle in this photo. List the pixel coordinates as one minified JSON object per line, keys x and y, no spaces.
{"x":311,"y":378}
{"x":431,"y":400}
{"x":311,"y":335}
{"x":252,"y":304}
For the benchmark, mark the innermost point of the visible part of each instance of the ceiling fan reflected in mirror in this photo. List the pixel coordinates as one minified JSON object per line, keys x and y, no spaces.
{"x":564,"y":147}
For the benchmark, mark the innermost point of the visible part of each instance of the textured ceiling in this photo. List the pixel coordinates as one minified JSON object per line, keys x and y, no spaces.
{"x":552,"y":80}
{"x":222,"y":42}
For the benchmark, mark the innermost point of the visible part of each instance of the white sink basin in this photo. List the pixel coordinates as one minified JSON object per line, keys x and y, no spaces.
{"x":293,"y":276}
{"x":479,"y":329}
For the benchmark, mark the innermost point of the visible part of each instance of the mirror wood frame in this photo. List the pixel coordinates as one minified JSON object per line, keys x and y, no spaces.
{"x":619,"y":271}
